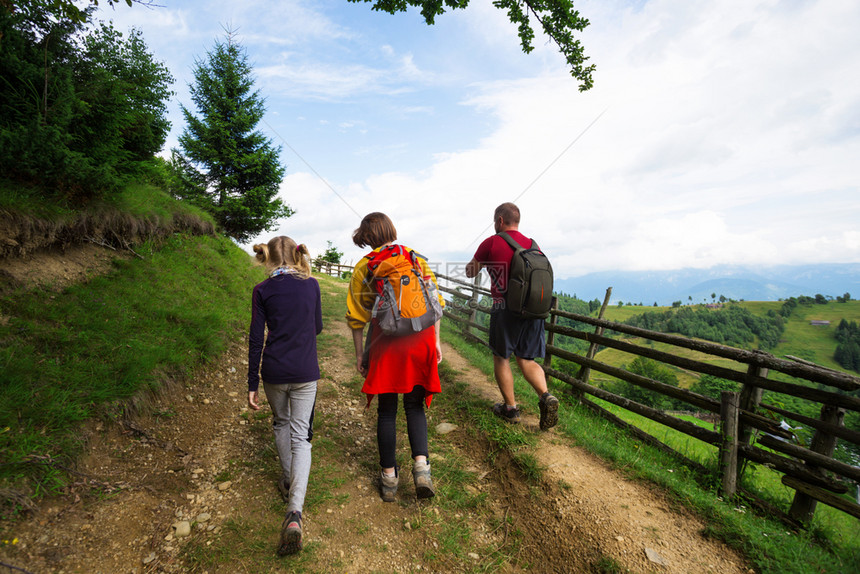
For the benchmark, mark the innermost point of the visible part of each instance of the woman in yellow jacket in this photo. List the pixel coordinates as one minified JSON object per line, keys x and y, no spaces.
{"x":395,"y":366}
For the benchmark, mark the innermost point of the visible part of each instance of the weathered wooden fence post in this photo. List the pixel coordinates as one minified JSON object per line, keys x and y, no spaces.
{"x":749,"y":401}
{"x":803,"y":506}
{"x":585,"y":372}
{"x":473,"y":303}
{"x":729,"y":402}
{"x":550,"y":337}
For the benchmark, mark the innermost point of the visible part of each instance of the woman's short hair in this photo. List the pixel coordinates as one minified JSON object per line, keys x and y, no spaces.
{"x":376,"y":229}
{"x":282,"y":251}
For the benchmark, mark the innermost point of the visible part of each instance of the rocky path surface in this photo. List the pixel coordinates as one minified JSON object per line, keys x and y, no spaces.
{"x":189,"y":486}
{"x":610,"y":516}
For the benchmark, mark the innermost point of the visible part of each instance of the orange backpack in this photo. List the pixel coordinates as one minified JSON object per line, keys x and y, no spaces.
{"x":406,"y":301}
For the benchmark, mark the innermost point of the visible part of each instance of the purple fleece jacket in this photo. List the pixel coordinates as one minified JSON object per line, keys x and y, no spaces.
{"x":291,"y":308}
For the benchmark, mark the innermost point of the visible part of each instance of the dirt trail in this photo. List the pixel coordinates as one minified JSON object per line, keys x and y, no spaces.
{"x":609,"y":515}
{"x":201,"y":460}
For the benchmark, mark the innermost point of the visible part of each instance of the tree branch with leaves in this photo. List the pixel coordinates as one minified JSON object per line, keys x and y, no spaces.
{"x":558,"y":19}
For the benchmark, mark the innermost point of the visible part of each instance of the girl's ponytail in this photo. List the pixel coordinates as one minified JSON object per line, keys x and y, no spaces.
{"x":302,"y":258}
{"x":262,"y":253}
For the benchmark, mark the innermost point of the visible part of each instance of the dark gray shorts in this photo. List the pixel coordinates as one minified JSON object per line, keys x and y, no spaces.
{"x":510,"y":333}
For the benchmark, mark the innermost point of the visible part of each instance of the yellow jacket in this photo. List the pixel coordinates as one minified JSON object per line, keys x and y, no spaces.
{"x":359,"y":301}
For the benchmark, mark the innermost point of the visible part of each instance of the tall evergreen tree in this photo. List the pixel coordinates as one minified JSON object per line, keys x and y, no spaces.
{"x":230,"y":169}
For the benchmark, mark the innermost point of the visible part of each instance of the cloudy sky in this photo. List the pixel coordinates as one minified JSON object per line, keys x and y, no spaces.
{"x":717,"y":132}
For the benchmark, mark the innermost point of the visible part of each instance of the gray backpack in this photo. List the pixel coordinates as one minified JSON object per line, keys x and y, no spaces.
{"x":406,"y":301}
{"x":529,"y":292}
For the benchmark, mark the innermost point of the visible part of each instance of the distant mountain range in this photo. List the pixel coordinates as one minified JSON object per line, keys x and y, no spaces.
{"x":733,"y":282}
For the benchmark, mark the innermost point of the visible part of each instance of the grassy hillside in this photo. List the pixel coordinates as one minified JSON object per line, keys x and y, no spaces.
{"x":811,"y":342}
{"x":621,"y":314}
{"x":82,"y":352}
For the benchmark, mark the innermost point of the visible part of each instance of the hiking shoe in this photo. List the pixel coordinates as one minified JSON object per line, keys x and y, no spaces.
{"x":507,"y":414}
{"x":284,"y":489}
{"x":548,"y":411}
{"x":423,"y":483}
{"x":388,"y":486}
{"x":291,"y":534}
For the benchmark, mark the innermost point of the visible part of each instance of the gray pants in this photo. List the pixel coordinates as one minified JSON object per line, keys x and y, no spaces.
{"x":293,"y":417}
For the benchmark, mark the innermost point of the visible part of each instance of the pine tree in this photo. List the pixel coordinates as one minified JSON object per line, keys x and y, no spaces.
{"x":229,"y":168}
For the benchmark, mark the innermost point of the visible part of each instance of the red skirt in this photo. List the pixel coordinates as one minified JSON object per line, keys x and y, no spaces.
{"x":399,"y":364}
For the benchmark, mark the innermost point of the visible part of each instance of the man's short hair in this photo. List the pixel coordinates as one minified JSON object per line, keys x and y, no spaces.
{"x":376,"y":229}
{"x":509,"y":213}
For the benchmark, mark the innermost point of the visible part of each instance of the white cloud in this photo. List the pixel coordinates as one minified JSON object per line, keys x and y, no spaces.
{"x":308,"y":81}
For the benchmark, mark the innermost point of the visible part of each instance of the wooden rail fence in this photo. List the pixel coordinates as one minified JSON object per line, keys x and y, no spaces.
{"x":812,"y":472}
{"x":329,"y":268}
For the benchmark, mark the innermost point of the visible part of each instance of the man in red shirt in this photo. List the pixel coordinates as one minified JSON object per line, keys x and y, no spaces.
{"x":510,"y":333}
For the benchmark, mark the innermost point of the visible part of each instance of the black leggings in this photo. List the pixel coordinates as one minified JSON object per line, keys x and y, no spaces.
{"x":416,"y":425}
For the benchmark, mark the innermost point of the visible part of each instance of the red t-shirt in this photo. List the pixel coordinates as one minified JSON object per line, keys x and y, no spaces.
{"x":495,"y":255}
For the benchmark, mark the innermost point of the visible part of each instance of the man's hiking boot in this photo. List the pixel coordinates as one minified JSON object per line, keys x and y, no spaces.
{"x":388,"y":486}
{"x":548,"y":411}
{"x":284,"y":488}
{"x":506,"y":413}
{"x":291,"y":534}
{"x":423,"y":483}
